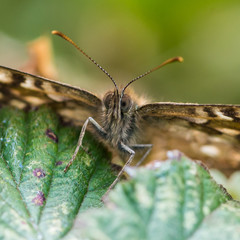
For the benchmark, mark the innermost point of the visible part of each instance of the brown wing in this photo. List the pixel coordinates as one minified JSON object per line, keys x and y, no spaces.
{"x":202,"y":131}
{"x":20,"y":89}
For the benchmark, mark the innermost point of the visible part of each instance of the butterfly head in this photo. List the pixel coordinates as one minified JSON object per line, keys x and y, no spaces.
{"x":118,"y":105}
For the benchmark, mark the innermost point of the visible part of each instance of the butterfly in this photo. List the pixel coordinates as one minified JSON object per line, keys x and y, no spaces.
{"x":128,"y":124}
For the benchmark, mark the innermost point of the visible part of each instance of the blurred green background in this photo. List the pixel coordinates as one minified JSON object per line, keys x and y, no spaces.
{"x":129,"y":37}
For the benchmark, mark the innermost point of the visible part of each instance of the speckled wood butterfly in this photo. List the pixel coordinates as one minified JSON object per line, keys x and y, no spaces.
{"x":128,"y":124}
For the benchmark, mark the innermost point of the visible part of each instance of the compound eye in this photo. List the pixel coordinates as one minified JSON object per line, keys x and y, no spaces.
{"x":126,"y":103}
{"x":107,"y":99}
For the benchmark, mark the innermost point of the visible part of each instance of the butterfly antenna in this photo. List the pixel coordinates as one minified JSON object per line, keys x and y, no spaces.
{"x":68,"y":39}
{"x":171,"y":60}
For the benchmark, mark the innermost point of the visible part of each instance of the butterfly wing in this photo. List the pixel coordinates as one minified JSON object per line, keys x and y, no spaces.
{"x":21,"y":89}
{"x":202,"y":131}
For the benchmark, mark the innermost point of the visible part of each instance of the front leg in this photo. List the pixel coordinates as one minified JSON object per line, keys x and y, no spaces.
{"x":127,"y":149}
{"x":96,"y":126}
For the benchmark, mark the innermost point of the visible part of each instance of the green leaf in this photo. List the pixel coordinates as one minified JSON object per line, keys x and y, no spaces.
{"x":37,"y":199}
{"x":179,"y":200}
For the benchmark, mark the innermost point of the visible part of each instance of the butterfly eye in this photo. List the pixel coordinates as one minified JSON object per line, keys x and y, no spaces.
{"x":107,"y":99}
{"x":126,"y":103}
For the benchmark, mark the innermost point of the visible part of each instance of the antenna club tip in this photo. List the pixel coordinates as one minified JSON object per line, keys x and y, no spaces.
{"x":180,"y":59}
{"x":55,"y":32}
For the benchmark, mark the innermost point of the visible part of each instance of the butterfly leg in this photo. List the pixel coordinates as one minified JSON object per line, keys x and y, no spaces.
{"x":97,"y":127}
{"x":140,"y":147}
{"x":127,"y":149}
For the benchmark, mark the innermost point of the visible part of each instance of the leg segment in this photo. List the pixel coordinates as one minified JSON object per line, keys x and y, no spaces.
{"x":137,"y":147}
{"x":97,"y":127}
{"x":132,"y":153}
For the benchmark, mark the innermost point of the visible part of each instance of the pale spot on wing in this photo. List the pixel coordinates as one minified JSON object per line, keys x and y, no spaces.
{"x":210,"y":150}
{"x":222,"y":116}
{"x":196,"y":120}
{"x":5,"y":77}
{"x":201,"y":114}
{"x":31,"y":99}
{"x":77,"y":115}
{"x":58,"y":98}
{"x":15,"y":92}
{"x":48,"y":87}
{"x":35,"y":101}
{"x":231,"y":132}
{"x":18,"y":104}
{"x":29,"y":83}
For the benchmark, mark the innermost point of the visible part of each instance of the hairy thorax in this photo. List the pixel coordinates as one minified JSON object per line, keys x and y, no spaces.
{"x":120,"y":130}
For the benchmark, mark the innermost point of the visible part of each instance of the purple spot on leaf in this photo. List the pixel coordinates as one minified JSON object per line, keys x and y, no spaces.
{"x":39,"y":199}
{"x":39,"y":173}
{"x":59,"y":163}
{"x":49,"y":132}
